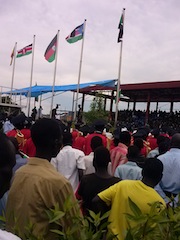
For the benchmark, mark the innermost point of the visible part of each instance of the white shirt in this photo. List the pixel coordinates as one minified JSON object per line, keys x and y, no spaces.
{"x":67,"y":162}
{"x":4,"y":235}
{"x":88,"y":159}
{"x":89,"y":164}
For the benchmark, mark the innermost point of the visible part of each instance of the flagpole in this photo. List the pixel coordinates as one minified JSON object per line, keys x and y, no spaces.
{"x":119,"y":76}
{"x":55,"y":67}
{"x":13,"y":71}
{"x":79,"y":75}
{"x":32,"y":65}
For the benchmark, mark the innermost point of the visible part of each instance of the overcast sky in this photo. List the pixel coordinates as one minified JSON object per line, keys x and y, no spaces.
{"x":151,"y":48}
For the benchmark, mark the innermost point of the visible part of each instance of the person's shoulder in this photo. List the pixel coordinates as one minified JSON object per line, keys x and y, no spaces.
{"x":79,"y":152}
{"x":115,"y":179}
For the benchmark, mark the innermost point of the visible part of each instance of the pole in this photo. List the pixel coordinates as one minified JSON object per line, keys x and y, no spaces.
{"x":55,"y":67}
{"x":119,"y":76}
{"x":32,"y":65}
{"x":73,"y":105}
{"x":80,"y":65}
{"x":13,"y":71}
{"x":118,"y":83}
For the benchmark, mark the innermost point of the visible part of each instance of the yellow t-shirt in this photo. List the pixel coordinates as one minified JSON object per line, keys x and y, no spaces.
{"x":117,"y":196}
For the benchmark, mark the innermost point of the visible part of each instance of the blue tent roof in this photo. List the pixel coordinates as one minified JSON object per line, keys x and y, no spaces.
{"x":39,"y":90}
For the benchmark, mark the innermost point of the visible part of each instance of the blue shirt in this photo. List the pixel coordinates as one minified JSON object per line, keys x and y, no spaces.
{"x":170,"y":181}
{"x":129,"y":170}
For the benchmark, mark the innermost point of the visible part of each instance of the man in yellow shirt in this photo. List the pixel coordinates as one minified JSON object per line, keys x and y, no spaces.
{"x":140,"y":192}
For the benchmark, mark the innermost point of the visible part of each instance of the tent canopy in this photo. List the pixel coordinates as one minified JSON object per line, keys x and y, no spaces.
{"x":39,"y":90}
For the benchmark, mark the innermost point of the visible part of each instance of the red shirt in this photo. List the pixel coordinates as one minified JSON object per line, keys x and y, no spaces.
{"x":152,"y":142}
{"x":87,"y":149}
{"x":75,"y":134}
{"x":29,"y":148}
{"x":25,"y":131}
{"x":79,"y":143}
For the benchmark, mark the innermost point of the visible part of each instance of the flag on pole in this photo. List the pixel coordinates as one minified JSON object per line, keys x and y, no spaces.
{"x":76,"y":34}
{"x":24,"y":51}
{"x":50,"y":52}
{"x":12,"y":56}
{"x":120,"y":27}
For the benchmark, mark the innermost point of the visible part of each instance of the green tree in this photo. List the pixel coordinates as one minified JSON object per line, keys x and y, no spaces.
{"x":96,"y":110}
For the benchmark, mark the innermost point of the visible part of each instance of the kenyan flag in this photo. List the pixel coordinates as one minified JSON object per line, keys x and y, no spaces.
{"x":24,"y":51}
{"x":50,"y":52}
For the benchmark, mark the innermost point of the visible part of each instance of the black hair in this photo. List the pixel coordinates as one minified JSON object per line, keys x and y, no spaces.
{"x":175,"y":141}
{"x":133,"y":153}
{"x":15,"y":143}
{"x":96,"y":141}
{"x":139,"y":143}
{"x":164,"y":146}
{"x":101,"y":158}
{"x":67,"y":139}
{"x":152,"y":170}
{"x":160,"y":139}
{"x":44,"y":132}
{"x":125,"y":137}
{"x":7,"y":162}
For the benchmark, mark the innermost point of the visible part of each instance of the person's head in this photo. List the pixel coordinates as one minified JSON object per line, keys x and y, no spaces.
{"x":155,"y":132}
{"x":101,"y":158}
{"x":67,"y":139}
{"x":7,"y":162}
{"x":133,"y":153}
{"x":125,"y":137}
{"x":160,"y":139}
{"x":175,"y":141}
{"x":164,"y":146}
{"x":99,"y":125}
{"x":152,"y":171}
{"x":139,"y":143}
{"x":96,"y":142}
{"x":47,"y":137}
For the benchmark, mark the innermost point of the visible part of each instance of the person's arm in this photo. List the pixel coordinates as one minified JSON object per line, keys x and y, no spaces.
{"x":99,"y":205}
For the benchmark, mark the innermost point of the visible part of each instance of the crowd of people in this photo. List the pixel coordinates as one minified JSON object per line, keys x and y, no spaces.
{"x":44,"y":162}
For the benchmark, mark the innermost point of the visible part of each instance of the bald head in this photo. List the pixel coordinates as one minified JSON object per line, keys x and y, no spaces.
{"x":175,"y":141}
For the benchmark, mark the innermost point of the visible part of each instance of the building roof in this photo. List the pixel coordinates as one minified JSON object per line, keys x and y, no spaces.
{"x":154,"y":91}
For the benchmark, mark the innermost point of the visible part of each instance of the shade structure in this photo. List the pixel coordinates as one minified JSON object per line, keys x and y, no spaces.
{"x":42,"y":89}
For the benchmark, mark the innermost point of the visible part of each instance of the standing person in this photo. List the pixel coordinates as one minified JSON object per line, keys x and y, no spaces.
{"x":54,"y":112}
{"x":79,"y":114}
{"x":118,"y":154}
{"x":99,"y":127}
{"x":39,"y":113}
{"x":34,"y":113}
{"x":37,"y":186}
{"x":70,"y":161}
{"x":140,"y":192}
{"x":94,"y":183}
{"x":130,"y":170}
{"x":169,"y":185}
{"x":7,"y":161}
{"x":96,"y":142}
{"x":79,"y":142}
